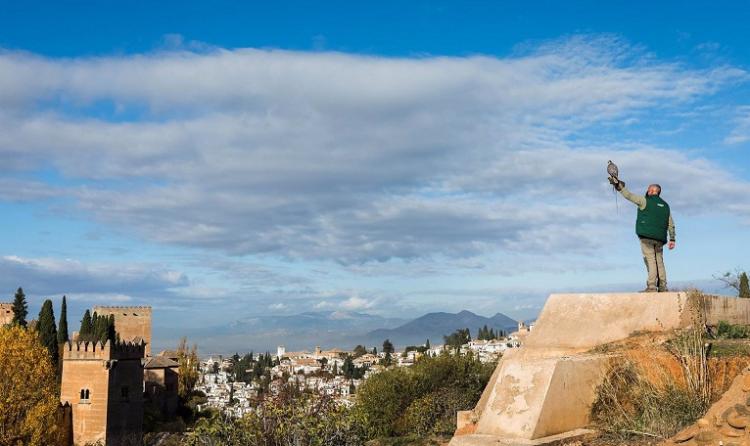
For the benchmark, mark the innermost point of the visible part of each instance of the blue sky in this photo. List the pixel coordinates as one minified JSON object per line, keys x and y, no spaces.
{"x":231,"y":159}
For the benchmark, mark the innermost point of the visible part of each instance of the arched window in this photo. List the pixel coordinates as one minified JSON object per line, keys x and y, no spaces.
{"x":84,"y":394}
{"x":87,"y":393}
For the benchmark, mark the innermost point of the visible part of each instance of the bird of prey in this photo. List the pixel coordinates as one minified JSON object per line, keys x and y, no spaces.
{"x":612,"y":170}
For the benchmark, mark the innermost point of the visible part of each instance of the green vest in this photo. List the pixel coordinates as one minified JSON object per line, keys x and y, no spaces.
{"x":653,"y":220}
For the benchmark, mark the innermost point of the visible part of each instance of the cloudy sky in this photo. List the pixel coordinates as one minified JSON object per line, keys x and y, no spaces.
{"x":231,"y":161}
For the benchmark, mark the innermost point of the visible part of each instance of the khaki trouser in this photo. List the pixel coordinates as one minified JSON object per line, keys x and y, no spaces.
{"x":653,"y":256}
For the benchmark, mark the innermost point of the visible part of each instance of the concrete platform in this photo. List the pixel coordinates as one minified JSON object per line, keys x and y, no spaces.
{"x":486,"y":440}
{"x":545,"y":388}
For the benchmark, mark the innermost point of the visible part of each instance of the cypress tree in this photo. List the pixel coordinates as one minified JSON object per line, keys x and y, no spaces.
{"x":111,"y":328}
{"x":84,"y":334}
{"x":20,"y":309}
{"x":47,"y":330}
{"x":100,"y":327}
{"x":744,"y":286}
{"x":62,"y":327}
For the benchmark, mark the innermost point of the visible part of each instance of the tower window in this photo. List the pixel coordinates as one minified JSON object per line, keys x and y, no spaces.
{"x":84,"y":395}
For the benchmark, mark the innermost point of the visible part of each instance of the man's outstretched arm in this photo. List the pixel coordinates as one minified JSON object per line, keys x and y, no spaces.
{"x":639,"y":200}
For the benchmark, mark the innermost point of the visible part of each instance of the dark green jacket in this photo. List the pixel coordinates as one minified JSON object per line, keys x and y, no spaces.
{"x":654,"y":217}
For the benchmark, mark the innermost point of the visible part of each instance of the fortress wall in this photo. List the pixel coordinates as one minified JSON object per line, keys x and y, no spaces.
{"x":130,"y":322}
{"x":89,"y":417}
{"x":125,"y":409}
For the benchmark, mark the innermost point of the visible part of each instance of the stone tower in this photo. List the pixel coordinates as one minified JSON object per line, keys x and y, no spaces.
{"x":6,"y":313}
{"x":133,"y":324}
{"x":103,"y":383}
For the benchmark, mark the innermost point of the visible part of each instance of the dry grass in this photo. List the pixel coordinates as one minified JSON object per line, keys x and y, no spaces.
{"x":653,"y":395}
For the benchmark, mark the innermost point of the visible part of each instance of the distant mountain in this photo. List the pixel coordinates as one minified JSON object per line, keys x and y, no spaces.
{"x":343,"y":329}
{"x":296,"y":332}
{"x":434,"y":326}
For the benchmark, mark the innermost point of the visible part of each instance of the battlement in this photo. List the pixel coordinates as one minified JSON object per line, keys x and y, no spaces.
{"x":108,"y":308}
{"x":103,"y":351}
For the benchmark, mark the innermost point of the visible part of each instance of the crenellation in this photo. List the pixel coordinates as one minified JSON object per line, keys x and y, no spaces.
{"x":87,"y":350}
{"x":146,"y":308}
{"x":102,"y":351}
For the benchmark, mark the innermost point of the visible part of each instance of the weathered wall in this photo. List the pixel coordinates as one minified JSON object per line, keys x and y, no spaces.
{"x":130,"y":322}
{"x":104,"y":370}
{"x":86,"y":371}
{"x":547,"y":386}
{"x":125,"y":409}
{"x":161,"y":389}
{"x":6,"y":313}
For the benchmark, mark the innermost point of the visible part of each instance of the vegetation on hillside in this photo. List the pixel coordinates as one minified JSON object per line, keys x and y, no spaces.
{"x":28,"y":415}
{"x":422,"y":399}
{"x":417,"y":401}
{"x":657,"y":398}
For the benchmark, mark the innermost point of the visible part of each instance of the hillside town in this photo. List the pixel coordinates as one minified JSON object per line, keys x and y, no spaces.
{"x":324,"y":371}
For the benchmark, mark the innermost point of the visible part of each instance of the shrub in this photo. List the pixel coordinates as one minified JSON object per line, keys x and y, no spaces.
{"x":435,"y":413}
{"x":725,"y":330}
{"x":422,"y":398}
{"x":628,"y":404}
{"x":282,"y":420}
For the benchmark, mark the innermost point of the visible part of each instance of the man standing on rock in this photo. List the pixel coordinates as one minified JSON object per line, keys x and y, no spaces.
{"x":652,"y":225}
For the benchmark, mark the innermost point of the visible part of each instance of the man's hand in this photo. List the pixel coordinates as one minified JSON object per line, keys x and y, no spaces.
{"x":671,"y":244}
{"x":616,"y":183}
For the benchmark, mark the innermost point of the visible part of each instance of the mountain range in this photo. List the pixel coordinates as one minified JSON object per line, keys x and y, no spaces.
{"x":343,"y":329}
{"x":434,"y":326}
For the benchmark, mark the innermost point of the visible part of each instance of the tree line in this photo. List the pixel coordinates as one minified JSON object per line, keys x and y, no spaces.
{"x":52,"y":333}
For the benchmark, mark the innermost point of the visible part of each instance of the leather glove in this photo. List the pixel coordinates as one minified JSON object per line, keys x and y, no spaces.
{"x":616,"y":183}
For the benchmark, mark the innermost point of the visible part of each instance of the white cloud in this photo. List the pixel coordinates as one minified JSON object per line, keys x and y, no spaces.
{"x":357,"y":158}
{"x":741,"y":132}
{"x":356,"y":303}
{"x":64,"y":276}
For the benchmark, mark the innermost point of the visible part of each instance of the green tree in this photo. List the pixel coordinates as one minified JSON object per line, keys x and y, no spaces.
{"x":347,"y":368}
{"x":84,"y":334}
{"x":388,"y":346}
{"x":62,"y":327}
{"x":387,"y":360}
{"x":187,"y":376}
{"x":47,"y":330}
{"x":20,"y":308}
{"x":423,"y":398}
{"x":458,"y":338}
{"x":359,"y":350}
{"x":744,"y":287}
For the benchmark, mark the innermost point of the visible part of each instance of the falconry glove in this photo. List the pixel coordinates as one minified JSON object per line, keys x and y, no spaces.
{"x":618,"y":184}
